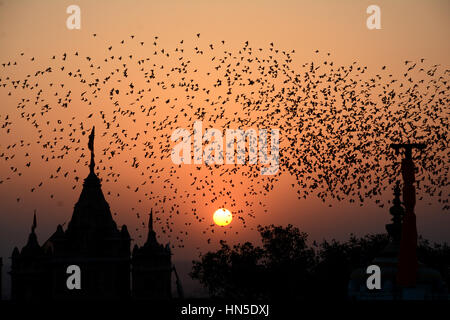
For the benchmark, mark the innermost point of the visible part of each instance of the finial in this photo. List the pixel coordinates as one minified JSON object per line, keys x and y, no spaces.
{"x":33,"y":226}
{"x":150,"y":220}
{"x":91,"y":148}
{"x":151,"y":237}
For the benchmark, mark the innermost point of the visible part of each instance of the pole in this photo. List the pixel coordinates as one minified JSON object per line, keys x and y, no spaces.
{"x":408,"y":264}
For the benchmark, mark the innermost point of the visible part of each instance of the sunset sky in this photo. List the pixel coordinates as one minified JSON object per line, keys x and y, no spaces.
{"x":411,"y":30}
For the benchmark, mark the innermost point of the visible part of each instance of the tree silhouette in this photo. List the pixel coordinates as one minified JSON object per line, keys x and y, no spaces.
{"x":237,"y":272}
{"x":285,"y":266}
{"x":336,"y":260}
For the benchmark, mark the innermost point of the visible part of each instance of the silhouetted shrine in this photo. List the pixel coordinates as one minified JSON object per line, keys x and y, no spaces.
{"x":93,"y":242}
{"x":403,"y":277}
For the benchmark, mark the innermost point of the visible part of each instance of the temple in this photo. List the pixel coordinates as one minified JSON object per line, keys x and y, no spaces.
{"x":429,"y":284}
{"x":93,"y":242}
{"x":151,"y":268}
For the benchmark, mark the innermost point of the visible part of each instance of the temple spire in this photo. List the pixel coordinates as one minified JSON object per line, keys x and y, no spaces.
{"x":32,"y":238}
{"x":151,"y":237}
{"x":91,"y":148}
{"x":150,"y":221}
{"x":33,"y":226}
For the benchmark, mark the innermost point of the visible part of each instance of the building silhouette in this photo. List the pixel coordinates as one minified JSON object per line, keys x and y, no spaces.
{"x":1,"y":274}
{"x":429,"y":282}
{"x":151,"y":268}
{"x":93,"y":242}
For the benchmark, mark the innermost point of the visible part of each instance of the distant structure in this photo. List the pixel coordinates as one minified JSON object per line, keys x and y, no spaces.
{"x":429,"y":282}
{"x":93,"y":242}
{"x":152,"y":268}
{"x":408,"y":263}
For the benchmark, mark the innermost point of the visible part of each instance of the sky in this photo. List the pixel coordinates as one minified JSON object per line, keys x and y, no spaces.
{"x":410,"y":30}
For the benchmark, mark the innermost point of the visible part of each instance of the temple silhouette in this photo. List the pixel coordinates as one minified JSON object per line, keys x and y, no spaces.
{"x":93,"y":242}
{"x":429,"y":284}
{"x":110,"y":271}
{"x":404,"y":277}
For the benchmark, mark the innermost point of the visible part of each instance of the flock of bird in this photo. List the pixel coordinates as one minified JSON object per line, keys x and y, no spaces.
{"x":336,"y":123}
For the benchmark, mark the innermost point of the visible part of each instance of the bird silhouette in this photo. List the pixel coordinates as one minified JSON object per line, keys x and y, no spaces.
{"x":336,"y":123}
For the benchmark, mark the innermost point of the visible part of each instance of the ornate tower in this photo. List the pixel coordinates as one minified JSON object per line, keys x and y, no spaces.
{"x":430,"y":285}
{"x":394,"y":229}
{"x":151,"y":268}
{"x":92,"y":241}
{"x":29,"y":275}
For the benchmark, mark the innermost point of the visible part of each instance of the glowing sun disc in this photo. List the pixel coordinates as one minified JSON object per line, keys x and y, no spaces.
{"x":222,"y":217}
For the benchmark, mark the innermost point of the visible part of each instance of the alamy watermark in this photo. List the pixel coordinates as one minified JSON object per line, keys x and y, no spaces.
{"x":213,"y":152}
{"x":374,"y":20}
{"x":74,"y":20}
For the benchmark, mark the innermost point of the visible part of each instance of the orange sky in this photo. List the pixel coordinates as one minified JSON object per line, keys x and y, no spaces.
{"x":410,"y":30}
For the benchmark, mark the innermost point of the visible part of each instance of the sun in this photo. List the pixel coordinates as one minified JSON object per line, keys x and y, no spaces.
{"x":222,"y":217}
